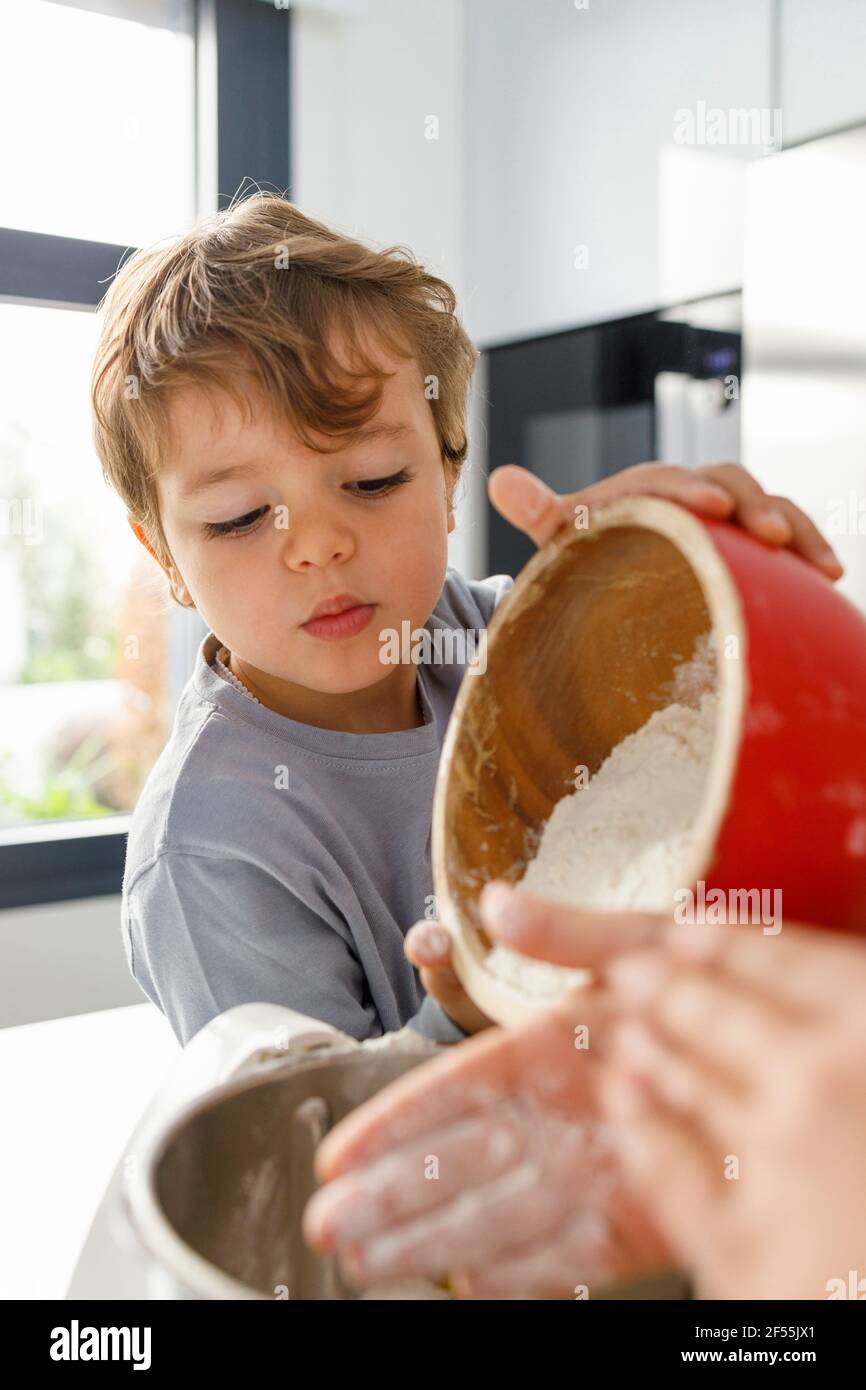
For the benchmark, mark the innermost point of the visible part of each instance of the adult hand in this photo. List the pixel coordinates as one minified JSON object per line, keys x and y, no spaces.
{"x":738,"y":1095}
{"x":489,"y":1165}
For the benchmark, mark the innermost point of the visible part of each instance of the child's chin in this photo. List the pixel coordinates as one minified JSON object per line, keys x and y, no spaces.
{"x":341,"y":672}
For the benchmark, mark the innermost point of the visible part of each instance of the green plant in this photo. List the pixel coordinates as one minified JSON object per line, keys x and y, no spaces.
{"x":66,"y":792}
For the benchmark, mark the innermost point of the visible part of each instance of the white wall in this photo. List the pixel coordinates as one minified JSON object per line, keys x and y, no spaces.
{"x":803,"y":399}
{"x":367,"y":77}
{"x":61,"y":959}
{"x":822,"y":66}
{"x":570,"y":139}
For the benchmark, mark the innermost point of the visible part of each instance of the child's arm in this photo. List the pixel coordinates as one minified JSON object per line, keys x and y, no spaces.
{"x":203,"y":934}
{"x":432,"y":1022}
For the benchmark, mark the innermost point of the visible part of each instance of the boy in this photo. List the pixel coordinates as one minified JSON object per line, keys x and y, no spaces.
{"x":282,"y":411}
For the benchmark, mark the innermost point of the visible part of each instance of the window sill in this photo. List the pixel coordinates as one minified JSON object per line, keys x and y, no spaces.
{"x":57,"y":861}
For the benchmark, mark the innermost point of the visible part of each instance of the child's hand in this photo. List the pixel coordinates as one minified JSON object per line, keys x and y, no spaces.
{"x":722,"y":490}
{"x":739,"y":1094}
{"x":428,"y":947}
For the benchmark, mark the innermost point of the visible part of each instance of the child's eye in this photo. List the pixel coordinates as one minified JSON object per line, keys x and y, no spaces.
{"x":243,"y":525}
{"x":377,"y":487}
{"x":238,"y":526}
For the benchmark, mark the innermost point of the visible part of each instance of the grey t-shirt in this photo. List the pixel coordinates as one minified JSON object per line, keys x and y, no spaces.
{"x":273,"y":861}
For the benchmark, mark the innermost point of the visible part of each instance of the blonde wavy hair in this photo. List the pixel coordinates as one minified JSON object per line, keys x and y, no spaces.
{"x":260,"y":287}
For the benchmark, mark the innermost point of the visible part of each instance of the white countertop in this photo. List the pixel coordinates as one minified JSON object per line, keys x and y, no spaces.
{"x":71,"y":1092}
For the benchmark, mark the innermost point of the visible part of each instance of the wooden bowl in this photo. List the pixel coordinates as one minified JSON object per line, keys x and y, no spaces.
{"x":579,"y":655}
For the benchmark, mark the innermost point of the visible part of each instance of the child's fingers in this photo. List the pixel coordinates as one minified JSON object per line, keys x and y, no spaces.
{"x":428,"y":946}
{"x":447,"y":990}
{"x":777,"y":520}
{"x":780,"y":522}
{"x":765,"y":516}
{"x":427,"y":943}
{"x":705,"y":497}
{"x":526,"y":501}
{"x":444,"y":986}
{"x":705,"y":494}
{"x":715,"y":490}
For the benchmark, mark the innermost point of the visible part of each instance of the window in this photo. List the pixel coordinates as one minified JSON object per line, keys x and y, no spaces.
{"x":97,"y":102}
{"x":124,"y":121}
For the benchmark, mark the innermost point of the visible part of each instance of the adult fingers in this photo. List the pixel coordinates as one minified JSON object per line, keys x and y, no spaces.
{"x":422,"y":1174}
{"x":673,"y":1166}
{"x":801,"y":967}
{"x":719,"y":1026}
{"x":715,"y":1099}
{"x":481,"y":1071}
{"x":563,"y":935}
{"x":565,"y":1164}
{"x":575,"y":1254}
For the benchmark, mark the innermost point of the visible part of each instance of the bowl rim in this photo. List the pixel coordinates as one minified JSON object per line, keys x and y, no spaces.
{"x":144,"y":1213}
{"x":692,"y":536}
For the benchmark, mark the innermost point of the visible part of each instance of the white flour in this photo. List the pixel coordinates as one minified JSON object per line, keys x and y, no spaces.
{"x":625,"y":839}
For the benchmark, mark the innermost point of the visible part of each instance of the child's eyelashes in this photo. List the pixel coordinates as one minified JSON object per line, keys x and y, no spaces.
{"x":240,"y":525}
{"x":245,"y":525}
{"x":382,"y":483}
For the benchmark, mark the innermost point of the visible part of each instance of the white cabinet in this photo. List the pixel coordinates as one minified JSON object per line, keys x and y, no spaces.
{"x":822,"y":66}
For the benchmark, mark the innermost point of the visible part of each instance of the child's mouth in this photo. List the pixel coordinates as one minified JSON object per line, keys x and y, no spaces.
{"x":345,"y":624}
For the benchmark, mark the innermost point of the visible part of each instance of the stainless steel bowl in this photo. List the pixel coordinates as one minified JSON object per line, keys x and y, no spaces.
{"x":207,"y":1198}
{"x":217,"y":1195}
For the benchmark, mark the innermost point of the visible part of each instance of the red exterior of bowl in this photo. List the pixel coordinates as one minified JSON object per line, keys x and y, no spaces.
{"x":796,"y":818}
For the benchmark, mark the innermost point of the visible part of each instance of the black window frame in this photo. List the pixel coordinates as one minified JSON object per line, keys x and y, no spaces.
{"x":242,"y":143}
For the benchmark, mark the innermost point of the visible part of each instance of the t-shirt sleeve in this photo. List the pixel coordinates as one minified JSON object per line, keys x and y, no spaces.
{"x":203,"y":934}
{"x":432,"y":1022}
{"x":489,"y":593}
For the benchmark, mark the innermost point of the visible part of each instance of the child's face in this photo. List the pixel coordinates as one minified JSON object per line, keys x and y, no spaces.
{"x":318,"y":535}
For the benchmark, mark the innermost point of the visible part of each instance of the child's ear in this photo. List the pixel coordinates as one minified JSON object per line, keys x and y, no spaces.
{"x":138,"y":532}
{"x":168,"y":570}
{"x":450,"y":485}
